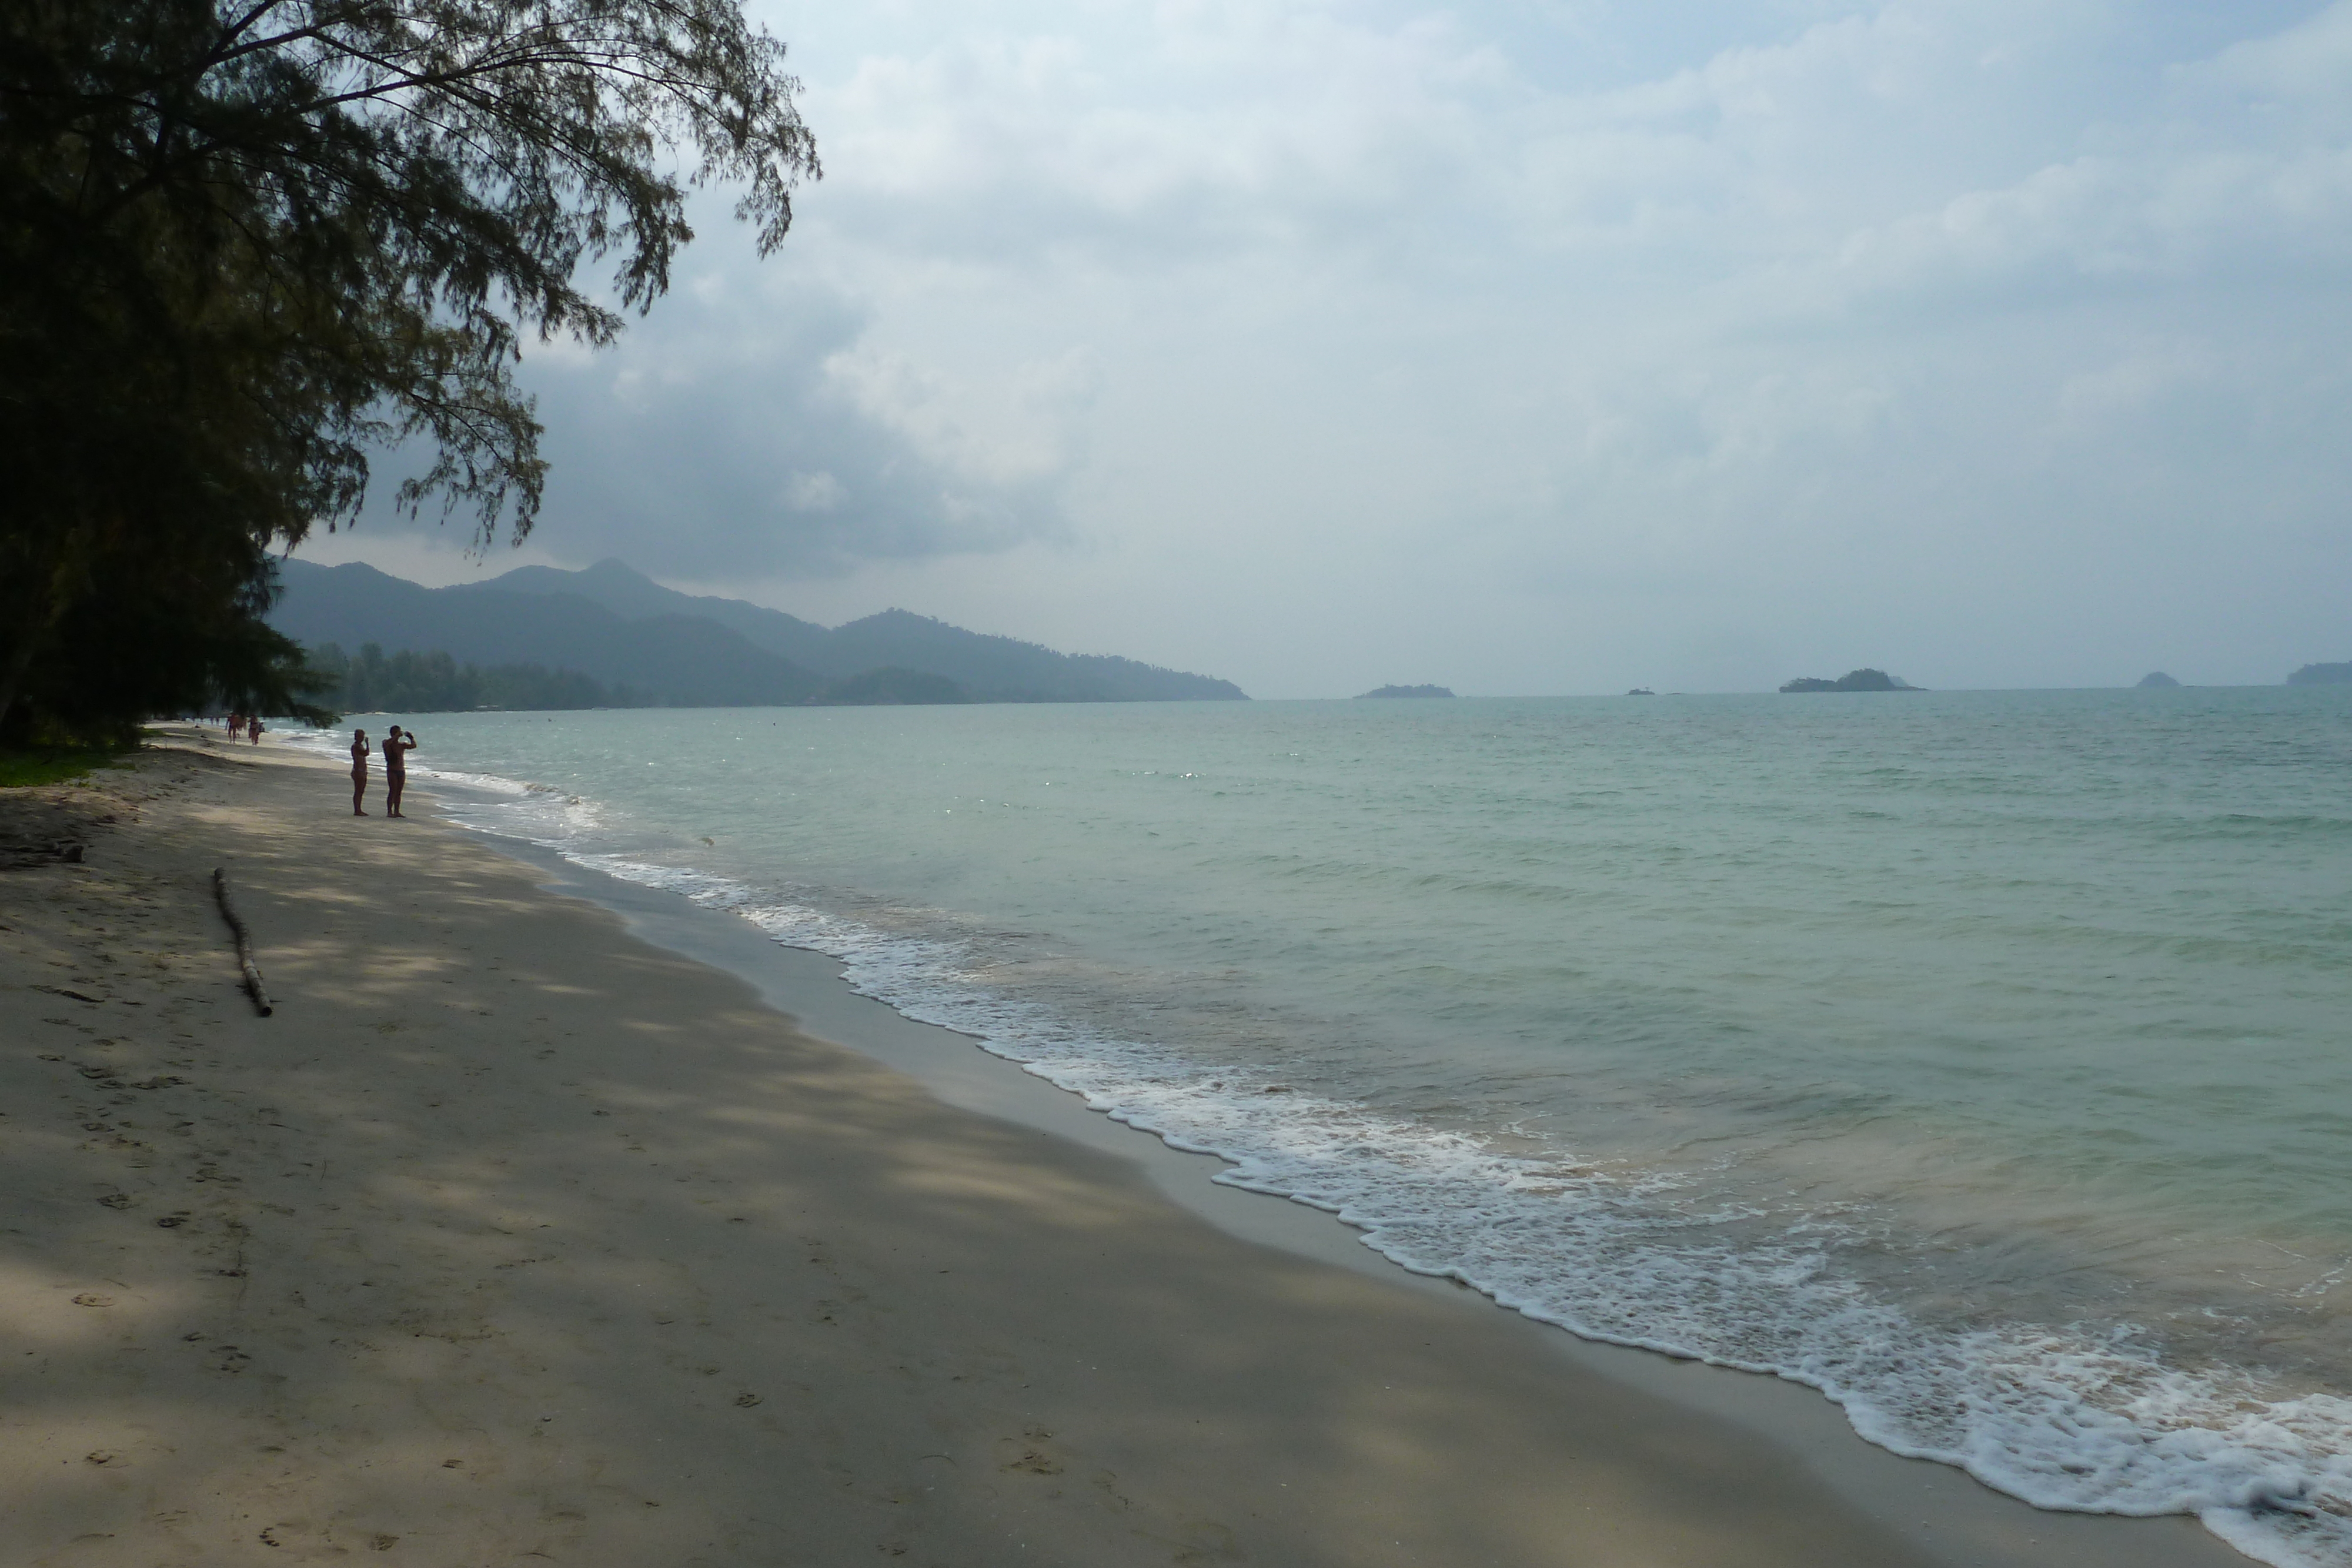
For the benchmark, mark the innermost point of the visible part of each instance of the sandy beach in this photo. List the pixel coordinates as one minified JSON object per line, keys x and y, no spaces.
{"x":510,"y":1237}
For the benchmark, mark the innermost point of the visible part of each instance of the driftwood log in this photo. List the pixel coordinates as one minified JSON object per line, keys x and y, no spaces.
{"x":244,"y":943}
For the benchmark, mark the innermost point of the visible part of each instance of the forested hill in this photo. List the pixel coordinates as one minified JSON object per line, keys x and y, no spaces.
{"x":623,"y":629}
{"x":991,"y":668}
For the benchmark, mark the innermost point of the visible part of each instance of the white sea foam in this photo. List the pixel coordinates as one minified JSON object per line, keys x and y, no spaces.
{"x":331,"y":744}
{"x":2060,"y":1416}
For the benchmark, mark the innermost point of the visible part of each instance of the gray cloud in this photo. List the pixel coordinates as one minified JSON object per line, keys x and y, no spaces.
{"x":1528,"y":347}
{"x":738,"y":430}
{"x":735,"y":429}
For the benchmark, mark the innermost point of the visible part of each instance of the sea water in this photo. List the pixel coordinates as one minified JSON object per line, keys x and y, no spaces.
{"x":1983,"y":1060}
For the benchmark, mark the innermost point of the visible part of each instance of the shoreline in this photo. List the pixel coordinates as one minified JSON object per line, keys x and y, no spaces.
{"x":1360,"y":1415}
{"x":1936,"y":1507}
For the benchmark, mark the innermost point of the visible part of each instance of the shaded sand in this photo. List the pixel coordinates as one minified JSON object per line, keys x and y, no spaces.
{"x":513,"y":1239}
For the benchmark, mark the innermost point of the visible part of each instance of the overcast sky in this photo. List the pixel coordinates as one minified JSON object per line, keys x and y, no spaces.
{"x":1537,"y":346}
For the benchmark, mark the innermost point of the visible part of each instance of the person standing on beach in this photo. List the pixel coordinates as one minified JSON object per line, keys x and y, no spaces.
{"x":397,"y":747}
{"x":359,"y":770}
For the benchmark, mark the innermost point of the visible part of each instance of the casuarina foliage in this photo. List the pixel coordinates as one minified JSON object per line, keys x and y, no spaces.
{"x":248,"y":242}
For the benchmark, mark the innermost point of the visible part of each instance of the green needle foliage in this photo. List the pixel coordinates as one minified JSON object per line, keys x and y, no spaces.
{"x":246,"y":242}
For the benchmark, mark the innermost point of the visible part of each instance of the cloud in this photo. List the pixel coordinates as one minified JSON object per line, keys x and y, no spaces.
{"x":1570,"y":346}
{"x":1015,"y":430}
{"x":736,"y":424}
{"x":819,"y":492}
{"x":2308,"y":64}
{"x":734,"y":431}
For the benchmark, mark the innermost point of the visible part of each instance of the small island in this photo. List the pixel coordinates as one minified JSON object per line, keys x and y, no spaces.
{"x":1640,"y":692}
{"x":2322,"y":676}
{"x":1861,"y":680}
{"x":1406,"y":692}
{"x":2156,"y":680}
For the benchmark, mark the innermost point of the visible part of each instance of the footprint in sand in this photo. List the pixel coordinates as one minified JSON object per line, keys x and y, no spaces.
{"x":1032,"y":1447}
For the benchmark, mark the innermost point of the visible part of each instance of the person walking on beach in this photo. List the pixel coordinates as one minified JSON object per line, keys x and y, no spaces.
{"x":359,"y":770}
{"x":397,"y":747}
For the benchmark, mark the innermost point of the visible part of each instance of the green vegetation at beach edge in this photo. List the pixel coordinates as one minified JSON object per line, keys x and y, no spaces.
{"x":23,"y":767}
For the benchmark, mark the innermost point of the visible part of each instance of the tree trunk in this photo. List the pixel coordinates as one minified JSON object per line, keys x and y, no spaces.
{"x":12,"y":675}
{"x":48,"y":606}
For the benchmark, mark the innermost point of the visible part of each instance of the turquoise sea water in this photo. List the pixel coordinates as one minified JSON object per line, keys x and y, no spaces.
{"x":1982,"y":1059}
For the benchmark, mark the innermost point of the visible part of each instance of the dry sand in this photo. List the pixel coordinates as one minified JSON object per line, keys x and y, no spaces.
{"x":512,"y":1239}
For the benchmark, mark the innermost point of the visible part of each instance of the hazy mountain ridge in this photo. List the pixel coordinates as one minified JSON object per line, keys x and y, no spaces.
{"x":675,"y":660}
{"x":623,"y":629}
{"x":634,"y":596}
{"x":989,"y":667}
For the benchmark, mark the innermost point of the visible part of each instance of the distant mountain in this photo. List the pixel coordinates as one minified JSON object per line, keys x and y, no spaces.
{"x":892,"y":687}
{"x":989,"y":668}
{"x":1407,"y":691}
{"x":411,"y":682}
{"x":2154,"y":679}
{"x":1861,"y":680}
{"x":634,"y":596}
{"x":2322,"y":676}
{"x":678,"y":660}
{"x":625,"y":629}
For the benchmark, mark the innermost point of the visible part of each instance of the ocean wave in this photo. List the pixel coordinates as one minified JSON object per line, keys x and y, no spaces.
{"x":2063,"y":1418}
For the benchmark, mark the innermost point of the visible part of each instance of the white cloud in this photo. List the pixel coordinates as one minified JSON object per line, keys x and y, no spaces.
{"x":1013,"y":429}
{"x":2309,"y":64}
{"x":817,"y":492}
{"x":1568,"y":346}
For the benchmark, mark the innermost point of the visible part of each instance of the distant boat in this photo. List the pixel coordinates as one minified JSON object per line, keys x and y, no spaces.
{"x":1640,"y":692}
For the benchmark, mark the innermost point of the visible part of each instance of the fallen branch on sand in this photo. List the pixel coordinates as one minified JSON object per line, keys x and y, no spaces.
{"x":244,"y":943}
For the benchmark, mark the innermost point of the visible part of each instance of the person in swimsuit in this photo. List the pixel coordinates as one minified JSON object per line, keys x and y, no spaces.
{"x":359,"y":769}
{"x":397,"y":747}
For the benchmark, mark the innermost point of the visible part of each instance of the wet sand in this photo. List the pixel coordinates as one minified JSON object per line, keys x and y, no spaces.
{"x":511,"y":1237}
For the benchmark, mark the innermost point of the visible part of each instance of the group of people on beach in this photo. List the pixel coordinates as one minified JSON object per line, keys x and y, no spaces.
{"x":397,"y":747}
{"x":245,"y":724}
